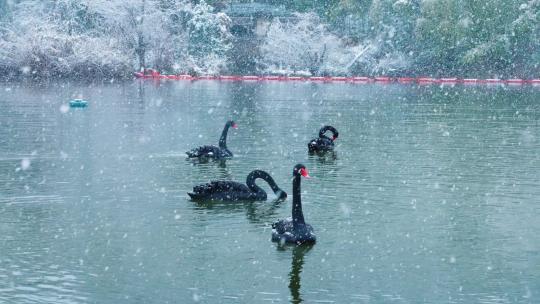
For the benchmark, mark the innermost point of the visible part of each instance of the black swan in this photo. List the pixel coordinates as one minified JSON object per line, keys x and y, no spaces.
{"x":214,"y":152}
{"x":234,"y":191}
{"x":294,"y":230}
{"x":323,"y":143}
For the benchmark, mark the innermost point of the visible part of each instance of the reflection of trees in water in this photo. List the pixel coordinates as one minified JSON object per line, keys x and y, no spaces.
{"x":244,"y":97}
{"x":296,"y":269}
{"x":245,"y":104}
{"x":140,"y":93}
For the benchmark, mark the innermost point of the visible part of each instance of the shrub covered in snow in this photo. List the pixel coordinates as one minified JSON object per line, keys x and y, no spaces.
{"x":112,"y":38}
{"x":306,"y":45}
{"x":309,"y":45}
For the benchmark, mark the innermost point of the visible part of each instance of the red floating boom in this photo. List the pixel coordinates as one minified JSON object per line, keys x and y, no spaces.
{"x":316,"y":78}
{"x":405,"y":79}
{"x":250,"y":78}
{"x":295,"y":78}
{"x":153,"y":74}
{"x":426,"y":80}
{"x":515,"y":81}
{"x":271,"y":78}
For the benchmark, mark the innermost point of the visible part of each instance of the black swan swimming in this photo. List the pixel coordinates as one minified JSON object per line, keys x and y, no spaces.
{"x":294,"y":230}
{"x":234,"y":191}
{"x":323,"y":143}
{"x":213,"y":152}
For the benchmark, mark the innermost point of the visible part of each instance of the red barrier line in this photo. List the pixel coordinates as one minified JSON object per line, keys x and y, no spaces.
{"x":382,"y":79}
{"x":184,"y":77}
{"x":271,"y":77}
{"x":425,"y":80}
{"x":405,"y":79}
{"x":297,"y":78}
{"x":338,"y":78}
{"x":515,"y":81}
{"x":207,"y":77}
{"x":361,"y":79}
{"x":229,"y":78}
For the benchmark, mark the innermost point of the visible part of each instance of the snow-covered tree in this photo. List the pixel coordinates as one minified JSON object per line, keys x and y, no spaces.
{"x":112,"y":37}
{"x":209,"y":39}
{"x":305,"y":46}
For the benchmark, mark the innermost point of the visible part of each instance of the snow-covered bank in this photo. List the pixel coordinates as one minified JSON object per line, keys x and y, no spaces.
{"x":113,"y":38}
{"x":77,"y":38}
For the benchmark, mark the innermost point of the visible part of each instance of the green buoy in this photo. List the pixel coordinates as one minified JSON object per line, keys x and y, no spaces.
{"x":78,"y":103}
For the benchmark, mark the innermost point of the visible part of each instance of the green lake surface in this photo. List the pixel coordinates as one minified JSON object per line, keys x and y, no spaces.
{"x":432,"y":195}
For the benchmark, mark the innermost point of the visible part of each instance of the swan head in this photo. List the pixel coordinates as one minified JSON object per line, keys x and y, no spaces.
{"x":281,"y":195}
{"x":300,"y":170}
{"x":232,"y":124}
{"x":335,"y":133}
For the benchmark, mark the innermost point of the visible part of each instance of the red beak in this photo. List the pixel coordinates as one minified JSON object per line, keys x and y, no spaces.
{"x":235,"y":126}
{"x":304,"y":172}
{"x":334,"y":138}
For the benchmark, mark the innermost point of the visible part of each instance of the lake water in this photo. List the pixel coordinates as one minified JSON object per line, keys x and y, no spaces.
{"x":433,"y":195}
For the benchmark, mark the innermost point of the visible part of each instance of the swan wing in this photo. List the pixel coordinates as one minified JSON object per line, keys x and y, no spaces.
{"x":220,"y":187}
{"x":283,"y":226}
{"x":204,"y":151}
{"x":320,"y":143}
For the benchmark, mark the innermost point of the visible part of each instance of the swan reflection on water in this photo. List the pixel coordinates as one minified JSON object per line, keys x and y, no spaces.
{"x":220,"y":163}
{"x":328,"y":157}
{"x":297,"y":264}
{"x":257,"y":212}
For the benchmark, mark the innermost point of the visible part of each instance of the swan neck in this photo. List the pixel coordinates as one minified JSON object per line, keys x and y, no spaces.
{"x":250,"y":181}
{"x":297,"y":214}
{"x":325,"y":129}
{"x":223,"y":138}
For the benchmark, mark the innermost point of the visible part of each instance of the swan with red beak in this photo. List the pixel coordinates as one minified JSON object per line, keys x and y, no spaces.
{"x":323,"y":143}
{"x":294,"y":230}
{"x":213,"y":152}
